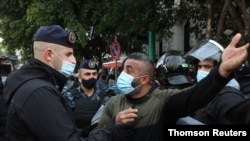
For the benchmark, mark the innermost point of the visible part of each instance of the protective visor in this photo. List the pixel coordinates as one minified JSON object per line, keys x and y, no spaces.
{"x":205,"y":50}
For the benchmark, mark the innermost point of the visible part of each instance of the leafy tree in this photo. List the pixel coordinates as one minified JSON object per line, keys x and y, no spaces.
{"x":215,"y":17}
{"x":127,"y":21}
{"x":21,"y":18}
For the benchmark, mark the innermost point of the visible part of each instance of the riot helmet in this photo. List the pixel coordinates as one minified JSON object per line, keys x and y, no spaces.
{"x":103,"y":73}
{"x":243,"y":70}
{"x":172,"y":69}
{"x":207,"y":49}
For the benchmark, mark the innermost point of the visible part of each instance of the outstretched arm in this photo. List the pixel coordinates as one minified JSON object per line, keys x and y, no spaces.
{"x":188,"y":101}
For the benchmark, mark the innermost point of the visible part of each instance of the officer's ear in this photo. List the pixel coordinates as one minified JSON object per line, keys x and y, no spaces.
{"x":48,"y":55}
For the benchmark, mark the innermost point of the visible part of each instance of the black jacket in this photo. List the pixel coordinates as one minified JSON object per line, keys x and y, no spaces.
{"x":3,"y":111}
{"x":239,"y":114}
{"x":214,"y":112}
{"x":42,"y":114}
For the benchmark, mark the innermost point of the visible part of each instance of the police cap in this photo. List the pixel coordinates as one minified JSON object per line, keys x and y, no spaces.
{"x":55,"y":34}
{"x":89,"y":64}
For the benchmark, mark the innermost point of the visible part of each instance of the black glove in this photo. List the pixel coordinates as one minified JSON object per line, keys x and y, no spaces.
{"x":123,"y":132}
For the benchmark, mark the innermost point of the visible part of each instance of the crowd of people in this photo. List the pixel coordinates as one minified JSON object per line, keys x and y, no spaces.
{"x":47,"y":100}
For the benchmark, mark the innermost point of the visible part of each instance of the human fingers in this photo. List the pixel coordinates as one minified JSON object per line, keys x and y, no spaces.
{"x":126,"y":119}
{"x":129,"y":110}
{"x":233,"y":57}
{"x":235,"y":40}
{"x":246,"y":46}
{"x":126,"y":116}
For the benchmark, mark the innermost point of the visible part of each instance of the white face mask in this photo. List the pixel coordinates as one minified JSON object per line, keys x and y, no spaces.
{"x":67,"y":68}
{"x":201,"y":74}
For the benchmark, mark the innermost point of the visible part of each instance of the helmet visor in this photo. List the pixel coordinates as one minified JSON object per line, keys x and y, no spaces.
{"x":205,"y":50}
{"x":178,"y":80}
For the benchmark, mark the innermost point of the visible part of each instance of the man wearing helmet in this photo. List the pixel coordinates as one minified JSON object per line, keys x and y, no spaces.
{"x":209,"y":54}
{"x":172,"y":70}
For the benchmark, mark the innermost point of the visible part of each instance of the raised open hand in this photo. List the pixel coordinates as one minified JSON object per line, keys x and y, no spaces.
{"x":233,"y":56}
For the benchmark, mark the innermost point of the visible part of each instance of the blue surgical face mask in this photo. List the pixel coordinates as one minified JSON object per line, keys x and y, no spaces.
{"x":124,"y":83}
{"x":201,"y":74}
{"x":67,"y":68}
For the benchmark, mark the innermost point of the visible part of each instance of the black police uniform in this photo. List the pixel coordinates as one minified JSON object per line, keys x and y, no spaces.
{"x":42,"y":114}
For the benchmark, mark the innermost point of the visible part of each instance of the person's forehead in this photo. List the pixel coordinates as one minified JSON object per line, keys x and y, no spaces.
{"x":132,"y":63}
{"x":206,"y":62}
{"x":64,"y":49}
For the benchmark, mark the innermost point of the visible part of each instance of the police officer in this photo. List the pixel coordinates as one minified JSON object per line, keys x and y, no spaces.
{"x":172,"y":70}
{"x":87,"y":98}
{"x":209,"y":54}
{"x":37,"y":109}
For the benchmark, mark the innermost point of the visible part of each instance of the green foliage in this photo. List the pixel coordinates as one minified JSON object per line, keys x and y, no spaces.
{"x":128,"y":21}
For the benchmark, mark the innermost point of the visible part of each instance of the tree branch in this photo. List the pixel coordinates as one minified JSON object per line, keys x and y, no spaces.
{"x":222,"y":18}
